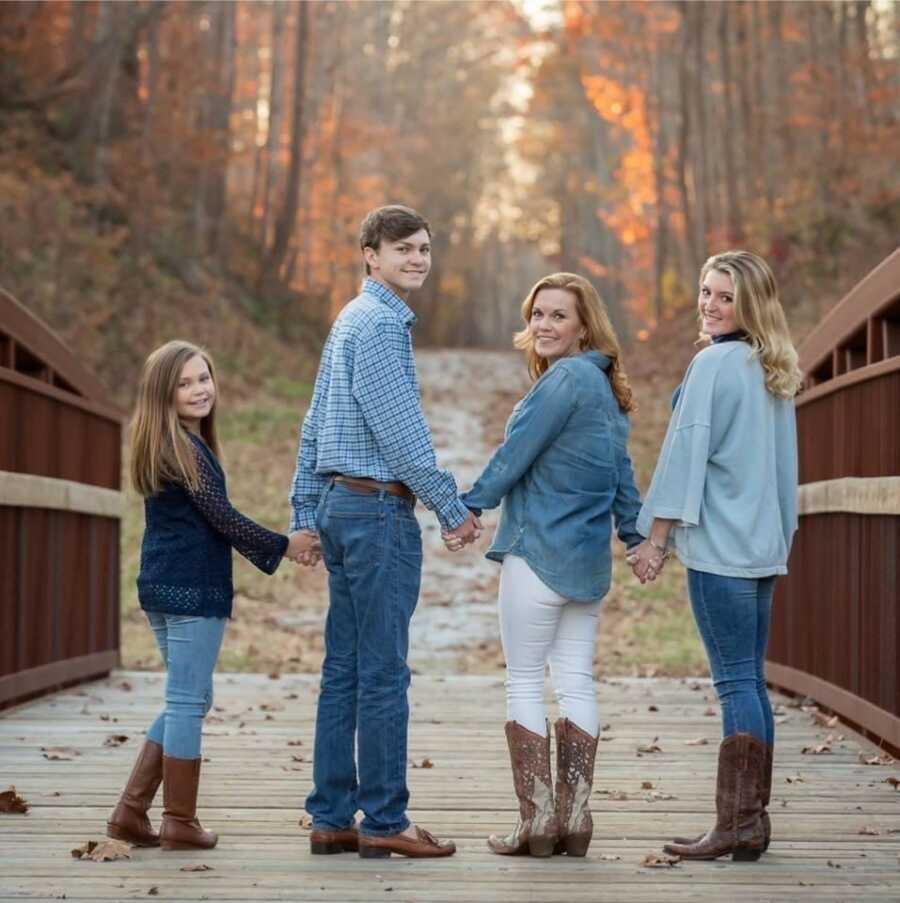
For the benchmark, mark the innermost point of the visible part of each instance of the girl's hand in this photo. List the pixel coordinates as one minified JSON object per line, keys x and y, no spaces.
{"x":304,"y":547}
{"x":646,"y":561}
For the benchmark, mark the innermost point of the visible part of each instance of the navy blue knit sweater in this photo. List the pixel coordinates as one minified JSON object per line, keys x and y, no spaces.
{"x":186,"y":552}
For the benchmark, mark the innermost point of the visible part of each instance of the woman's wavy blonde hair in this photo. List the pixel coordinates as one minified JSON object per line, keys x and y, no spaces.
{"x":161,"y":450}
{"x":758,"y":312}
{"x":599,"y":332}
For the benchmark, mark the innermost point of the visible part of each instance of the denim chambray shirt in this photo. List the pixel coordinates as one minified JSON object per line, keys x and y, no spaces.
{"x":563,"y":473}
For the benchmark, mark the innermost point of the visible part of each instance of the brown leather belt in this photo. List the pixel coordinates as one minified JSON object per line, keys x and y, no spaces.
{"x":364,"y":484}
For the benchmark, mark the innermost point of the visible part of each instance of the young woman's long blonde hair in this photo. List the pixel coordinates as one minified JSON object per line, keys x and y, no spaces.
{"x":599,"y":332}
{"x":161,"y":450}
{"x":758,"y":312}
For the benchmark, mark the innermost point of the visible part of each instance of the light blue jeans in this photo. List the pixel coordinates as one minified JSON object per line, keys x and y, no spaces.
{"x":189,"y":646}
{"x":733,"y":614}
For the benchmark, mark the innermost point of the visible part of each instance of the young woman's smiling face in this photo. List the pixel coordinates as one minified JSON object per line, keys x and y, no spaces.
{"x":195,"y":393}
{"x":555,"y":325}
{"x":716,"y":304}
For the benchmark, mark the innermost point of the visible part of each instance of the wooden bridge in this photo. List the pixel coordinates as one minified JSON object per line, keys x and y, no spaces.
{"x":836,"y":819}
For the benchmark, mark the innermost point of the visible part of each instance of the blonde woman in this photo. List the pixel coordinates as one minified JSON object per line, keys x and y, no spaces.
{"x":184,"y":584}
{"x":725,"y":494}
{"x":562,"y":475}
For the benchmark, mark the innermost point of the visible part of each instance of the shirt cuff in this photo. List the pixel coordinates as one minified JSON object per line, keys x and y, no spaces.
{"x":303,"y":519}
{"x":453,"y":516}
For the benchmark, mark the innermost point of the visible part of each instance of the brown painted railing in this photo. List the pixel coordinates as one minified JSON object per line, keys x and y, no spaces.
{"x":60,"y":447}
{"x":836,"y":622}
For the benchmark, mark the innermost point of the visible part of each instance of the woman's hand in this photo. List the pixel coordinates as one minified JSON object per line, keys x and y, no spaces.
{"x":304,"y":548}
{"x":646,"y":560}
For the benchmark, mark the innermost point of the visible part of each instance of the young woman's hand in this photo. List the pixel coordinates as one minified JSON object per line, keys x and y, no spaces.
{"x":304,"y":548}
{"x":646,"y":561}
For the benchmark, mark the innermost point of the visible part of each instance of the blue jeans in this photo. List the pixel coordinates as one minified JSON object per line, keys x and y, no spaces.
{"x":372,"y":547}
{"x":733,"y":614}
{"x":189,"y":646}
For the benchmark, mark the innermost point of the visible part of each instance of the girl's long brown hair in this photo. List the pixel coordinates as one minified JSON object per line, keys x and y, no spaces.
{"x":161,"y":450}
{"x":599,"y":332}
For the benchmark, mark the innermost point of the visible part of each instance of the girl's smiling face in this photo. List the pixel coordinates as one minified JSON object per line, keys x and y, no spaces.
{"x":716,"y":304}
{"x":195,"y":393}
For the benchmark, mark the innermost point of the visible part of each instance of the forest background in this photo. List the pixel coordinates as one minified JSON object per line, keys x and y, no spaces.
{"x":200,"y":169}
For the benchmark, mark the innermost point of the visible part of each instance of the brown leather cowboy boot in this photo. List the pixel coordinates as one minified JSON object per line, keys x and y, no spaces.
{"x":738,"y":829}
{"x":536,"y":831}
{"x":180,"y":829}
{"x":575,"y":752}
{"x":128,"y":820}
{"x":766,"y":799}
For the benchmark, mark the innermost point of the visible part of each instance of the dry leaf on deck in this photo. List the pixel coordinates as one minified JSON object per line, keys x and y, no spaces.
{"x":202,"y":867}
{"x":650,"y":747}
{"x":894,"y":782}
{"x":305,"y":822}
{"x":820,"y":750}
{"x":115,"y":740}
{"x":875,"y":760}
{"x":59,"y":753}
{"x":425,"y":763}
{"x":823,"y":720}
{"x":125,"y":686}
{"x":646,"y":785}
{"x":653,"y":861}
{"x":104,"y":851}
{"x":295,"y":743}
{"x":697,"y":741}
{"x":656,"y":795}
{"x":710,"y":712}
{"x":868,"y":829}
{"x":153,"y":892}
{"x":610,"y":857}
{"x":12,"y":803}
{"x":795,"y":779}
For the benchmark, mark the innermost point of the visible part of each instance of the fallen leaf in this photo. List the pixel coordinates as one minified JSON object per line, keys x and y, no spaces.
{"x":820,"y":750}
{"x":823,"y":720}
{"x":779,"y":709}
{"x":652,"y":708}
{"x":59,"y":753}
{"x":653,"y":861}
{"x":655,"y":795}
{"x":297,"y":759}
{"x":609,"y":857}
{"x":650,"y":747}
{"x":710,"y":712}
{"x":274,"y":675}
{"x":425,"y":763}
{"x":295,"y":743}
{"x":646,"y":785}
{"x":11,"y":803}
{"x":305,"y":822}
{"x":868,"y":829}
{"x":894,"y":782}
{"x":613,"y":794}
{"x":125,"y":686}
{"x":153,"y":892}
{"x":695,"y":686}
{"x":201,"y":867}
{"x":697,"y":741}
{"x":875,"y":760}
{"x":796,"y":779}
{"x":104,"y":851}
{"x":115,"y":740}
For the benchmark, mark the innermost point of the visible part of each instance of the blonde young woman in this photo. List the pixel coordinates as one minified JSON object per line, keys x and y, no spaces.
{"x":725,"y":493}
{"x":562,"y":475}
{"x":185,"y":584}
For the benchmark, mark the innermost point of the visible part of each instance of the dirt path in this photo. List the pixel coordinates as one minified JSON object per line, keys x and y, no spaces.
{"x":467,"y":397}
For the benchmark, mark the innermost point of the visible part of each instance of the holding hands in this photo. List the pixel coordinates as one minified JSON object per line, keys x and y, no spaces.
{"x":468,"y":531}
{"x":647,"y":560}
{"x":304,"y":547}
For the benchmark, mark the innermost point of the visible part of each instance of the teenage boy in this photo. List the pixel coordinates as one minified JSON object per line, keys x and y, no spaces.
{"x":365,"y":456}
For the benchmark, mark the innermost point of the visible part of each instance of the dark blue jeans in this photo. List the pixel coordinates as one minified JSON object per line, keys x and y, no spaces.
{"x":372,"y":547}
{"x":733,"y":614}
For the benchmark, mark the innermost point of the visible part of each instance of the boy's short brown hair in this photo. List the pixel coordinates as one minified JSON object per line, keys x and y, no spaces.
{"x":392,"y":223}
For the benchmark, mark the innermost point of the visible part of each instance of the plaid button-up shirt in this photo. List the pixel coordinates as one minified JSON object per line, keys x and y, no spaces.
{"x":365,"y":419}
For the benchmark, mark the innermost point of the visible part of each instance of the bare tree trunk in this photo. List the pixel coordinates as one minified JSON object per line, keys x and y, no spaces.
{"x":782,"y":80}
{"x":684,"y":131}
{"x":273,"y":131}
{"x":704,"y":184}
{"x":284,"y":225}
{"x":733,"y":214}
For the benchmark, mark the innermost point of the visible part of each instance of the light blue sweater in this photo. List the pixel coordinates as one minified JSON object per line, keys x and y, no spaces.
{"x":727,"y":472}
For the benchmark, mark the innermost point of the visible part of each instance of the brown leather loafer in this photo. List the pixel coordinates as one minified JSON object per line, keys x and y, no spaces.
{"x":424,"y":846}
{"x":327,"y":842}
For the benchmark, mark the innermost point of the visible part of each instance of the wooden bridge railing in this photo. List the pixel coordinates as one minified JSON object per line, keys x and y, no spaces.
{"x":60,"y":448}
{"x":836,"y":620}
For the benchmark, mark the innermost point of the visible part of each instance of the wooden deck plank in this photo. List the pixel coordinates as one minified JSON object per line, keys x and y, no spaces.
{"x":253,"y":790}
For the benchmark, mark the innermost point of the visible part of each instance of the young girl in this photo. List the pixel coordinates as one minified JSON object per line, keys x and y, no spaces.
{"x":185,"y":583}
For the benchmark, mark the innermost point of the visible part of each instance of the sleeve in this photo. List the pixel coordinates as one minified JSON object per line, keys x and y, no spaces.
{"x":307,"y":485}
{"x":676,"y":490}
{"x":390,"y":407}
{"x":627,"y":504}
{"x":261,"y":547}
{"x":540,"y":419}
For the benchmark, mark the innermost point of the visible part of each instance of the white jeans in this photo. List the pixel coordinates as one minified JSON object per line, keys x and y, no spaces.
{"x":537,"y":626}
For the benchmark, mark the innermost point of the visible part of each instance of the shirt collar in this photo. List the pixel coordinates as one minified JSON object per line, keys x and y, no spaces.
{"x":392,"y":299}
